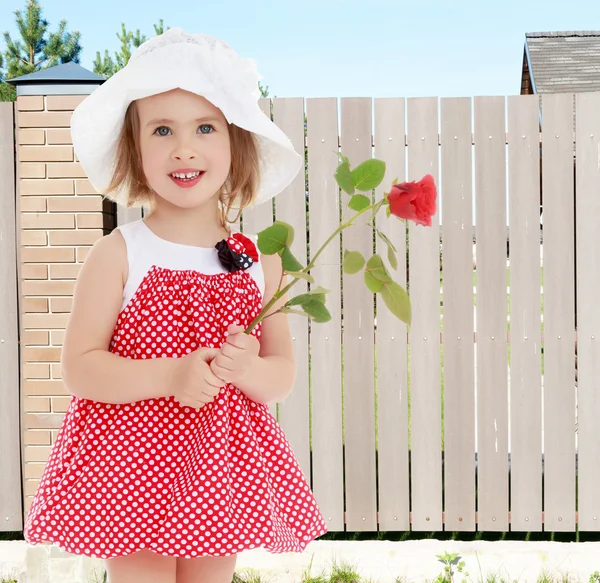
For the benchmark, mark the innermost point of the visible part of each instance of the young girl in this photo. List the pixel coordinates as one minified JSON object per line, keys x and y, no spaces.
{"x":169,"y":462}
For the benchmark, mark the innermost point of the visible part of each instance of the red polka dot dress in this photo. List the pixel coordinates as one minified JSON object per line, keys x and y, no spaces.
{"x":158,"y":475}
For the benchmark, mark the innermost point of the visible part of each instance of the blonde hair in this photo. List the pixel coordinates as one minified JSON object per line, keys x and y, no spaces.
{"x":238,"y":192}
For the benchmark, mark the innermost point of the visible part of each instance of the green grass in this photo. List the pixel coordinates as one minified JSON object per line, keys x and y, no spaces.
{"x":346,"y":574}
{"x":98,"y":577}
{"x":8,"y":577}
{"x":343,"y":572}
{"x":249,"y":576}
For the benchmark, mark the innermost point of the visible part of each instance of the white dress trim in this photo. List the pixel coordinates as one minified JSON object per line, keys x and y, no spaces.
{"x":146,"y":250}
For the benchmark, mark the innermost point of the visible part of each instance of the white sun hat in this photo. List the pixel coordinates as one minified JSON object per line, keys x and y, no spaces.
{"x":193,"y":62}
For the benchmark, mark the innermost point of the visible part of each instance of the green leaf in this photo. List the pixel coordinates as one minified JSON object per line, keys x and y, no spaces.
{"x":376,"y":268}
{"x":397,"y":301}
{"x":373,"y":285}
{"x":300,"y":300}
{"x":354,"y":261}
{"x":343,"y":158}
{"x":386,"y":240}
{"x":391,"y":249}
{"x":343,"y":177}
{"x":317,"y":311}
{"x":289,"y":262}
{"x":392,"y":258}
{"x":368,"y":175}
{"x":285,"y":310}
{"x":273,"y":239}
{"x":388,"y":212}
{"x":359,"y":202}
{"x":319,"y":291}
{"x":318,"y":294}
{"x":290,"y":232}
{"x":301,"y":275}
{"x":378,"y":205}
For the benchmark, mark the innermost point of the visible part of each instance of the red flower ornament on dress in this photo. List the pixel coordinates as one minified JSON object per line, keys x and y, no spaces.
{"x":237,"y":252}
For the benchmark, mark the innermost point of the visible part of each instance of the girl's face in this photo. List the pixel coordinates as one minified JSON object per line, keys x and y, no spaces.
{"x":185,"y":147}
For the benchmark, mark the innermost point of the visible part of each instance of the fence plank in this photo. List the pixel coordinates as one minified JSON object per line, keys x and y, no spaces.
{"x":325,"y":339}
{"x":128,"y":214}
{"x":588,"y":322}
{"x":525,"y":314}
{"x":10,"y":452}
{"x":358,"y":335}
{"x":559,"y":324}
{"x":257,"y":218}
{"x":391,"y":344}
{"x":294,"y":412}
{"x":459,"y":373}
{"x":425,"y":374}
{"x":492,"y":357}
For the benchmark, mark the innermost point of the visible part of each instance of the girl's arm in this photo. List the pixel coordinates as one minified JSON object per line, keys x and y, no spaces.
{"x":89,"y":370}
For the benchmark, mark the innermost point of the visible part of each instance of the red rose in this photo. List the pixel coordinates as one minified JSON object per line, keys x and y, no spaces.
{"x":414,"y":201}
{"x":249,"y":246}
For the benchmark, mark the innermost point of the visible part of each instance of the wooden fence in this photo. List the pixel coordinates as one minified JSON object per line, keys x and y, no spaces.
{"x":475,"y":418}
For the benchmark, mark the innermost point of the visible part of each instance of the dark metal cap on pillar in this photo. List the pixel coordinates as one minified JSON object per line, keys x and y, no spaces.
{"x":67,"y":79}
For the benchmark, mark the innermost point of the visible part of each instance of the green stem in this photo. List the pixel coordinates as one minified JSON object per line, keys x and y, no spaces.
{"x":280,"y":292}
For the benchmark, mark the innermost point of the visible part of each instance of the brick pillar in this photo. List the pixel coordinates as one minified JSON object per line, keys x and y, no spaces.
{"x":60,"y":217}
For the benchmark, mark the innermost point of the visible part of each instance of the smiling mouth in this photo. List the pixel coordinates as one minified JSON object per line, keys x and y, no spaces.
{"x":186,"y":176}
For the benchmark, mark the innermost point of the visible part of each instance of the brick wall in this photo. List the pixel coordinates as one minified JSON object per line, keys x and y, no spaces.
{"x":60,"y":217}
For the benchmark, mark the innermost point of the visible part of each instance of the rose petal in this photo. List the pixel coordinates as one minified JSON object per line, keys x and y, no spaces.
{"x":400,"y":199}
{"x":414,"y":201}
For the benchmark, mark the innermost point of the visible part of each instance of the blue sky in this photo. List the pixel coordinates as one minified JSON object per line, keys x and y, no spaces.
{"x":341,"y":48}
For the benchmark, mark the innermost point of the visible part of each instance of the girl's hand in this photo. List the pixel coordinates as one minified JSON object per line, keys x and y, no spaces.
{"x":195,"y":383}
{"x":237,"y":355}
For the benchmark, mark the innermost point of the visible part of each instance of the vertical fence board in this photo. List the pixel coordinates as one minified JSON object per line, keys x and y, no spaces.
{"x":358,"y":336}
{"x":11,"y":516}
{"x":559,"y":307}
{"x":128,"y":214}
{"x":525,"y":314}
{"x":294,"y":412}
{"x":492,"y":358}
{"x":391,"y":337}
{"x":588,"y":320}
{"x":459,"y":373}
{"x":257,"y":218}
{"x":325,"y":339}
{"x":424,"y":282}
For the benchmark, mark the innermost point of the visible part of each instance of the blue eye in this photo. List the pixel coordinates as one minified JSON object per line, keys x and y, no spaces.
{"x":159,"y":131}
{"x":206,"y":128}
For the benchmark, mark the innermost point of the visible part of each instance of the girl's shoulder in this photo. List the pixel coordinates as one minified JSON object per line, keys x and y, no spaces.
{"x":109,"y":253}
{"x":109,"y":247}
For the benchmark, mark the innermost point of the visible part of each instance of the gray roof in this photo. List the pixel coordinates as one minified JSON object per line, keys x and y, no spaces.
{"x":564,"y":61}
{"x":66,"y":73}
